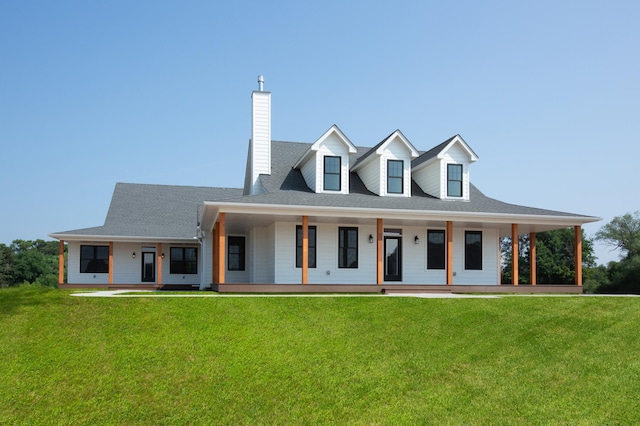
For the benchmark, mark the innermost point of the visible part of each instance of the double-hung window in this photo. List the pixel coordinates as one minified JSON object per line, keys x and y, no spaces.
{"x":435,"y":249}
{"x":236,"y":252}
{"x":473,"y":250}
{"x":94,"y":259}
{"x":184,"y":260}
{"x":395,"y":176}
{"x":454,"y":180}
{"x":347,"y":247}
{"x":312,"y":246}
{"x":332,"y":179}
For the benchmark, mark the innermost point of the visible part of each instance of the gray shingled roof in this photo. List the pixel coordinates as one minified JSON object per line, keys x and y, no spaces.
{"x":286,"y":186}
{"x":163,"y":211}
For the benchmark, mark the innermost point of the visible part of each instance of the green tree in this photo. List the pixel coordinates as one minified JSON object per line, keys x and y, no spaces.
{"x":555,"y":257}
{"x":6,"y":266}
{"x":623,"y":233}
{"x":27,"y":261}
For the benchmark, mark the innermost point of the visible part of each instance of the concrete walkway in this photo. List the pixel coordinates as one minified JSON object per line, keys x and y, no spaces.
{"x":152,"y":293}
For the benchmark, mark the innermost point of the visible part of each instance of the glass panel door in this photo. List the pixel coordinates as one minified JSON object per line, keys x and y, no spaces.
{"x":392,"y":258}
{"x":148,"y":267}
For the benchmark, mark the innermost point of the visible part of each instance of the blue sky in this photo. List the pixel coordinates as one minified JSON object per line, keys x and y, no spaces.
{"x":547,"y":93}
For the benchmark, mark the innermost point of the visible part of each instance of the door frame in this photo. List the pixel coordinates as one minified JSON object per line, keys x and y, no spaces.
{"x":152,"y":279}
{"x":398,"y":276}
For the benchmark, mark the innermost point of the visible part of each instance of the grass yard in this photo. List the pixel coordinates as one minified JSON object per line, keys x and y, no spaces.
{"x":331,"y":360}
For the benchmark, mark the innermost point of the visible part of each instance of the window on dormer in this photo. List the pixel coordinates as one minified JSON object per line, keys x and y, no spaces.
{"x":454,"y":180}
{"x":395,"y":176}
{"x":332,"y":166}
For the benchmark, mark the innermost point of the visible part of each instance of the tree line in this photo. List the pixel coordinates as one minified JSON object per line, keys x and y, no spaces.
{"x":29,"y":262}
{"x":36,"y":262}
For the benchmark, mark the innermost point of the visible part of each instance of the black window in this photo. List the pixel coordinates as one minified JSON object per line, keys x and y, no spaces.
{"x":454,"y":180}
{"x":94,"y":259}
{"x":395,"y":173}
{"x":435,"y":249}
{"x":184,"y":260}
{"x":332,"y":181}
{"x":473,"y":250}
{"x":347,"y":247}
{"x":312,"y":246}
{"x":235,"y":257}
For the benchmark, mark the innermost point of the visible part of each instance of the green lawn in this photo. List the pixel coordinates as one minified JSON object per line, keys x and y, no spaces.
{"x":331,"y":360}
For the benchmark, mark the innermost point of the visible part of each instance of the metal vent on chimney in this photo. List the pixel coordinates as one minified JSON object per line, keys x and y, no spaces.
{"x":260,"y":82}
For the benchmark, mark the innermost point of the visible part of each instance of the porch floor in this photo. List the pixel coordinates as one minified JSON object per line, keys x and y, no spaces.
{"x":395,"y":288}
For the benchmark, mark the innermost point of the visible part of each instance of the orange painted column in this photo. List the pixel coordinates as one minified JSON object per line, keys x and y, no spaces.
{"x":110,"y":262}
{"x":61,"y":263}
{"x":449,"y":252}
{"x":305,"y":249}
{"x":578,"y":254}
{"x":533,"y":273}
{"x":214,"y":255}
{"x":514,"y":253}
{"x":222,"y":244}
{"x":159,"y":254}
{"x":379,"y":254}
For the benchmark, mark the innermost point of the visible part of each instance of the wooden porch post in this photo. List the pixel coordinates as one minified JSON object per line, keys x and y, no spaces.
{"x":514,"y":253}
{"x":110,"y":262}
{"x":379,"y":249}
{"x":214,"y":255}
{"x":578,"y":254}
{"x":61,"y":263}
{"x":222,"y":244}
{"x":533,"y":273}
{"x":305,"y":249}
{"x":449,"y":233}
{"x":159,"y":256}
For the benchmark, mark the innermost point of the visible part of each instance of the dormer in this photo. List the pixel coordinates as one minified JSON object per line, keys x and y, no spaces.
{"x":386,"y":168}
{"x":325,"y":165}
{"x":443,"y":171}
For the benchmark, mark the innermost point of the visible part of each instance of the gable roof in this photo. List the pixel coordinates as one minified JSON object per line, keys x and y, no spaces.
{"x":439,"y":150}
{"x":316,"y":145}
{"x":380,"y":147}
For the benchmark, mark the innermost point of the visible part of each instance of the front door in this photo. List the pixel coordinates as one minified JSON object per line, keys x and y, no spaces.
{"x":392,"y":258}
{"x":148,"y":267}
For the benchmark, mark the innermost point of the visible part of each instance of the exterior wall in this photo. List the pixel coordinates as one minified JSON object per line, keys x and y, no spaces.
{"x":327,"y":271}
{"x":260,"y":255}
{"x":396,"y":150}
{"x":489,"y":274}
{"x":429,"y":179}
{"x":455,"y":155}
{"x":414,"y":265}
{"x":332,"y":146}
{"x":309,"y":173}
{"x":370,"y":176}
{"x":127,"y":270}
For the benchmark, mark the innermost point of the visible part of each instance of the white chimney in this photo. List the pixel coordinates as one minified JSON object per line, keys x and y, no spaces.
{"x":260,"y":151}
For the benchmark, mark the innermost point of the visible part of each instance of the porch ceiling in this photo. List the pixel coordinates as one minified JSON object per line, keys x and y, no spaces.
{"x":242,"y":223}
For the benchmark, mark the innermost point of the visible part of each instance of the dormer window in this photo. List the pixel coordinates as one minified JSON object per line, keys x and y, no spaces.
{"x":395,"y":176}
{"x":332,"y":179}
{"x":454,"y":180}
